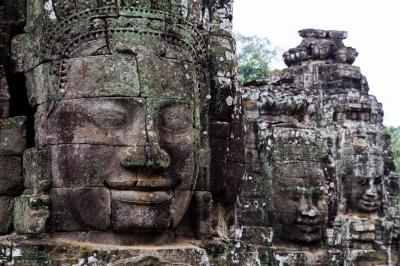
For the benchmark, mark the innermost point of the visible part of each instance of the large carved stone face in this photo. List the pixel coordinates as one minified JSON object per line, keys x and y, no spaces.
{"x":121,"y":163}
{"x":363,"y":189}
{"x":300,"y":209}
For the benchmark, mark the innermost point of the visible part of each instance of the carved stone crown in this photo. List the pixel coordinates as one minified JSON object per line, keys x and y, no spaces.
{"x":63,"y":26}
{"x":66,"y":8}
{"x":320,"y":45}
{"x":293,"y":144}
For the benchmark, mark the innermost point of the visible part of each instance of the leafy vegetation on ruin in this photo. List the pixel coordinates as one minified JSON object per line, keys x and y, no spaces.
{"x":254,"y":57}
{"x":394,"y":133}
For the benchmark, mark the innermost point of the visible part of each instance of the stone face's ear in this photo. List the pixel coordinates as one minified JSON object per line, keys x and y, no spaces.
{"x":31,"y":210}
{"x":31,"y":213}
{"x":201,"y":205}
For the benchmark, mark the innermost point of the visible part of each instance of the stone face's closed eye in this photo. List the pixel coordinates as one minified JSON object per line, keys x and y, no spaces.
{"x":109,"y":116}
{"x":177,"y":118}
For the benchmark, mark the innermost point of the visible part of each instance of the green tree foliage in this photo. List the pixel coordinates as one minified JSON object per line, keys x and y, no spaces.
{"x":394,"y":133}
{"x":254,"y":57}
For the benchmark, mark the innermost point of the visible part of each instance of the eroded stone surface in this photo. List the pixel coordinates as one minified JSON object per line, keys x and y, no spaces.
{"x":11,"y":179}
{"x":80,"y":209}
{"x":13,"y":135}
{"x":37,"y":175}
{"x":23,"y":251}
{"x":31,"y":212}
{"x":6,"y":211}
{"x":4,"y":94}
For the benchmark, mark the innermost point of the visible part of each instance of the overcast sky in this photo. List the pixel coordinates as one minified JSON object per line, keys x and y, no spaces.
{"x":373,"y":27}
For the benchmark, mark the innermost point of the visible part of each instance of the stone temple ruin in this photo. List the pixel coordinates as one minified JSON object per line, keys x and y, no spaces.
{"x":315,"y":140}
{"x":125,"y":140}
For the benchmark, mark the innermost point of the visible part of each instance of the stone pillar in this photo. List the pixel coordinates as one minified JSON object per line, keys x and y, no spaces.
{"x":12,"y":128}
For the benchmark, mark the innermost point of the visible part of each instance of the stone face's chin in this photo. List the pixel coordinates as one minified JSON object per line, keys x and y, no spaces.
{"x":300,"y":233}
{"x":303,"y":232}
{"x":153,"y":204}
{"x":309,"y":238}
{"x":138,"y":211}
{"x":364,"y":203}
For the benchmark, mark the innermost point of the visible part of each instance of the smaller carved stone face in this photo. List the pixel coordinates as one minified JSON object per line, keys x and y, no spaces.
{"x":364,"y":189}
{"x":300,"y":207}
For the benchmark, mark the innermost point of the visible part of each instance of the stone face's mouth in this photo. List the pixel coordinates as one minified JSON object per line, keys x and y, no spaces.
{"x":142,"y":197}
{"x":121,"y":184}
{"x":369,"y":204}
{"x":308,"y":228}
{"x":154,"y":183}
{"x":141,"y":181}
{"x":309,"y":225}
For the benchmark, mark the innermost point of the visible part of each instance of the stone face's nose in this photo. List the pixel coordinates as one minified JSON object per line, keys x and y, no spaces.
{"x":152,"y":156}
{"x":157,"y":157}
{"x":372,"y":190}
{"x":307,"y":207}
{"x":310,"y":212}
{"x":133,"y":157}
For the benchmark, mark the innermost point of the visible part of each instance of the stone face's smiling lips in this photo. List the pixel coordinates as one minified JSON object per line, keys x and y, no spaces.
{"x":369,"y":203}
{"x":145,"y":182}
{"x":309,"y":226}
{"x":142,"y":197}
{"x":308,"y":229}
{"x":144,"y":188}
{"x":309,"y":222}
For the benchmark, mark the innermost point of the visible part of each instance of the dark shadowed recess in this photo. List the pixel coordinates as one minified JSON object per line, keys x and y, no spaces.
{"x":19,"y":105}
{"x":14,"y":11}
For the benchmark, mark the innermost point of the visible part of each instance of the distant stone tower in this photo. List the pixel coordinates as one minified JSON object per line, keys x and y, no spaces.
{"x":322,"y":93}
